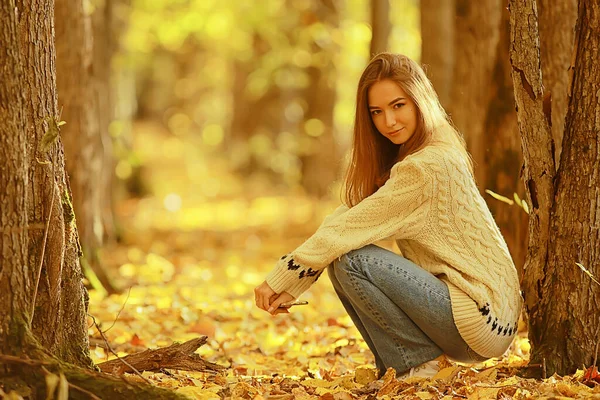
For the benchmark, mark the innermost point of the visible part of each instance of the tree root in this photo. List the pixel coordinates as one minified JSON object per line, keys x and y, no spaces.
{"x":83,"y":384}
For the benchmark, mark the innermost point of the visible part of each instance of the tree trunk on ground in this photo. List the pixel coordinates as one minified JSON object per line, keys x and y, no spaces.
{"x":82,"y":138}
{"x":556,"y":25}
{"x":37,"y":223}
{"x":482,"y":108}
{"x":320,"y":166}
{"x":559,"y":298}
{"x":380,"y":26}
{"x":437,"y":45}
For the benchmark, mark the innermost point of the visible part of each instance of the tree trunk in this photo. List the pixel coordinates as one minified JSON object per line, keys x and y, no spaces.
{"x":503,"y":151}
{"x":79,"y":91}
{"x":104,"y":48}
{"x":564,"y":228}
{"x":40,"y":325}
{"x":556,"y":24}
{"x":483,"y":110}
{"x":380,"y":26}
{"x":319,"y":167}
{"x":59,"y":320}
{"x":476,"y":37}
{"x":13,"y":184}
{"x":255,"y":116}
{"x":437,"y":45}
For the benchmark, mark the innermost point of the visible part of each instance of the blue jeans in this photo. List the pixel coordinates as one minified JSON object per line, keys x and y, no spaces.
{"x":402,"y":311}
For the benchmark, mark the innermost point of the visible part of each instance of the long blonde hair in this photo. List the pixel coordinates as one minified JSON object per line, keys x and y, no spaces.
{"x":373,"y":155}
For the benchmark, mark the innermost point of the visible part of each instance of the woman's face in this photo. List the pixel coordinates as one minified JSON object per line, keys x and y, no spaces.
{"x":392,"y":111}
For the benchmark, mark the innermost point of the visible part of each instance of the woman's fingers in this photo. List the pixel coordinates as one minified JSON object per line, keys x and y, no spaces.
{"x":262,"y":295}
{"x":284,"y":297}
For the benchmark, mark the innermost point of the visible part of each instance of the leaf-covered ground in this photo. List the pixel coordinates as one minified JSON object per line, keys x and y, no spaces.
{"x":190,"y":258}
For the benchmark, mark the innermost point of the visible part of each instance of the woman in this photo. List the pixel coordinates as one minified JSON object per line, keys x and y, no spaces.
{"x":454,"y":291}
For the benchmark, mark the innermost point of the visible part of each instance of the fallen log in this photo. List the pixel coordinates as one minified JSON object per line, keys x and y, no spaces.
{"x":177,"y":356}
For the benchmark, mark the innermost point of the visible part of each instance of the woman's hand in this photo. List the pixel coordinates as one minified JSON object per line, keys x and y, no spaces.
{"x":268,"y":300}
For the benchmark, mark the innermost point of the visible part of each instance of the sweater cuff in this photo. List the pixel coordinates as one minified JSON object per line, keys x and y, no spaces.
{"x":288,"y":276}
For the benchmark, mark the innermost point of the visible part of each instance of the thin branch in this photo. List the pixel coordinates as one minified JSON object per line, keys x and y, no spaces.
{"x":115,"y":354}
{"x":18,"y":360}
{"x":119,"y":313}
{"x":39,"y":271}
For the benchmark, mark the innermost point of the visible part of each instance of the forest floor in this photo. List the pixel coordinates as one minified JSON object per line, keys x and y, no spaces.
{"x":190,"y":258}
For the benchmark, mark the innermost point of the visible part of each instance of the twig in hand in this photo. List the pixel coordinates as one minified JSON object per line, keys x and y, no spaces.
{"x":115,"y":354}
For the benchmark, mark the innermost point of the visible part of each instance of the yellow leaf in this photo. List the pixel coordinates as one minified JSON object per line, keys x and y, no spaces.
{"x":484,"y":393}
{"x":487,"y":375}
{"x":499,"y":197}
{"x":424,"y":395}
{"x":587,"y":272}
{"x":51,"y":384}
{"x":364,"y":376}
{"x":63,"y":388}
{"x":447,"y":373}
{"x":517,"y":199}
{"x":525,"y":206}
{"x":196,"y":393}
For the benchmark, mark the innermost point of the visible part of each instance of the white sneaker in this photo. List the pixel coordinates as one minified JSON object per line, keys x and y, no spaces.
{"x":426,"y":370}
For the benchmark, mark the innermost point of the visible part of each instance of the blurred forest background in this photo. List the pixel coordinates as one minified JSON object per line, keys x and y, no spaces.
{"x":203,"y":139}
{"x":210,"y":111}
{"x":230,"y":125}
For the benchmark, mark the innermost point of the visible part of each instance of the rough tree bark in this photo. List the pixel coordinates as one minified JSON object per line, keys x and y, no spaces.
{"x":13,"y":186}
{"x":556,"y":25}
{"x":437,"y":45}
{"x":380,"y":26}
{"x":504,"y":158}
{"x":482,"y":109}
{"x":44,"y":322}
{"x":564,"y":224}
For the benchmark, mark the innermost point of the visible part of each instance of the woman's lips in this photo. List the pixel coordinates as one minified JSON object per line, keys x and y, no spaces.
{"x":395,"y":132}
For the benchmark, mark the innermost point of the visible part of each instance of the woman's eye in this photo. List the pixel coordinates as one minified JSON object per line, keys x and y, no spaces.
{"x":374,"y":112}
{"x":398,"y":105}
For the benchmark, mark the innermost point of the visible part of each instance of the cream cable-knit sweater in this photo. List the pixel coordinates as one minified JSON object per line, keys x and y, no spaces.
{"x":431,"y":206}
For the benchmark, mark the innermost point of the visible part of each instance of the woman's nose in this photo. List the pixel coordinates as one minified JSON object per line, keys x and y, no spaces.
{"x":390,"y":119}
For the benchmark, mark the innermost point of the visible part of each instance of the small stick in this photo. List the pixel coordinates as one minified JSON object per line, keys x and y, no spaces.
{"x":532,"y":366}
{"x":115,"y":354}
{"x":596,"y":351}
{"x":543,"y":367}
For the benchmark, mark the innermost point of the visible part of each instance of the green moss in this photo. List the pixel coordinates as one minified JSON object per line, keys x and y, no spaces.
{"x":68,"y":211}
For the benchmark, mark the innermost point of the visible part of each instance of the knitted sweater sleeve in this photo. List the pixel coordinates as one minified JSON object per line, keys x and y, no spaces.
{"x":399,"y":208}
